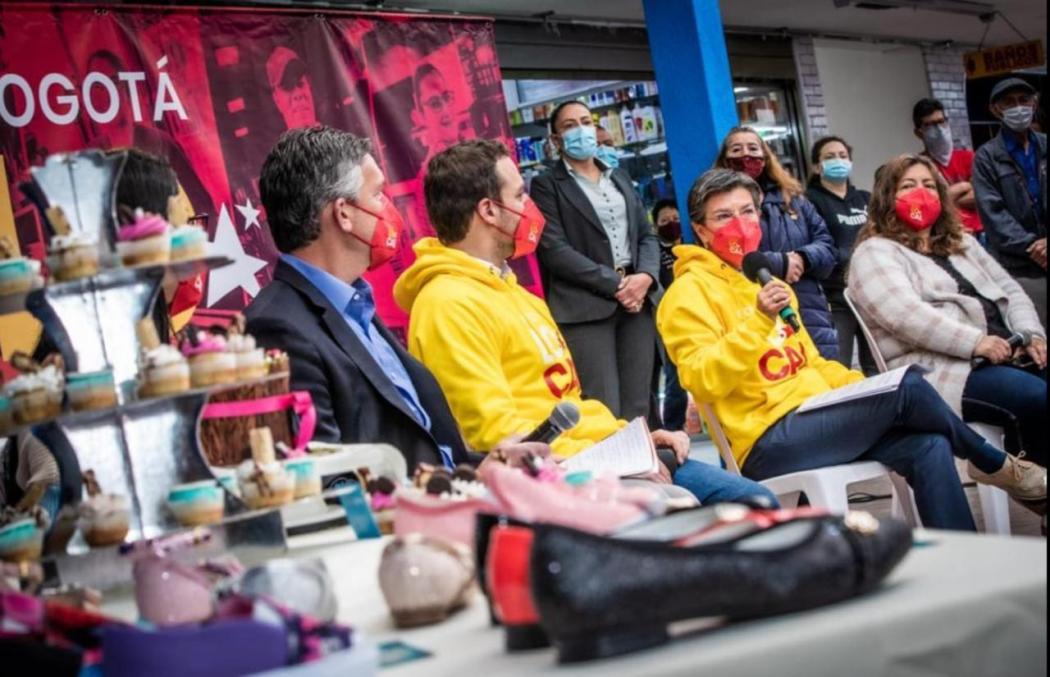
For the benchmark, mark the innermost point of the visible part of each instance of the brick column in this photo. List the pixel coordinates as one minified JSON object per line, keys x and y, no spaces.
{"x":814,"y":115}
{"x":944,"y":68}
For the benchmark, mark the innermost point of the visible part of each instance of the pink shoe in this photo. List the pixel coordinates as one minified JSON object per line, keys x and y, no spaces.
{"x":598,"y":507}
{"x":439,"y":518}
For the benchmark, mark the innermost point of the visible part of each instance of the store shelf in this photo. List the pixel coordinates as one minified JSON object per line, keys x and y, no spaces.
{"x":645,"y":100}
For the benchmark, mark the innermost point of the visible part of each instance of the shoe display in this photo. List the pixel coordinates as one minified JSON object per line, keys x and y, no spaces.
{"x":600,"y":597}
{"x":424,"y":580}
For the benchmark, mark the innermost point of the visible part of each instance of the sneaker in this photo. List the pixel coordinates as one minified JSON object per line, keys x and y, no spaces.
{"x":1023,"y":480}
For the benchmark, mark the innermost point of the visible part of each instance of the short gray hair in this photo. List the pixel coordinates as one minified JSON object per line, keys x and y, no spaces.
{"x":306,"y":169}
{"x":718,"y":182}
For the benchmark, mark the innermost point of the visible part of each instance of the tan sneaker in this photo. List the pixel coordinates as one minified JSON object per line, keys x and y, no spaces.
{"x":1023,"y":480}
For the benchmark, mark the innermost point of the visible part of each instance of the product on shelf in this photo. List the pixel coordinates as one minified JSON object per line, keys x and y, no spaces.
{"x":144,"y":241}
{"x":163,"y":371}
{"x":36,"y":394}
{"x":22,"y":533}
{"x":188,"y":242}
{"x":381,"y":499}
{"x":91,"y":390}
{"x":197,"y":503}
{"x":17,"y":273}
{"x":73,"y":255}
{"x":264,"y":482}
{"x":104,"y":518}
{"x":306,"y":475}
{"x":210,"y":362}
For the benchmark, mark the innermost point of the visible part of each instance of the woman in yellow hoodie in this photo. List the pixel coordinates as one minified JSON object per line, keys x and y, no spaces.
{"x":734,"y":353}
{"x":493,"y":346}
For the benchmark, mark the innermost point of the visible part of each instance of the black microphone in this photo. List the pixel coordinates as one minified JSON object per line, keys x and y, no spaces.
{"x":1016,"y":340}
{"x":564,"y":416}
{"x":756,"y":268}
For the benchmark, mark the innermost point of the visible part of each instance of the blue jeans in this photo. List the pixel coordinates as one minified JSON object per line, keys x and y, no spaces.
{"x":911,"y":430}
{"x":1013,"y":399}
{"x":711,"y":484}
{"x":675,"y":399}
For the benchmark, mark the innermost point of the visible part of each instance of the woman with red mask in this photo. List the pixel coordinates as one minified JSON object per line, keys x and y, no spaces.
{"x":735,"y":353}
{"x":933,"y":296}
{"x":800,"y":248}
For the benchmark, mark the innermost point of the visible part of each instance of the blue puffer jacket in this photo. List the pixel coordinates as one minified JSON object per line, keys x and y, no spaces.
{"x":801,"y":229}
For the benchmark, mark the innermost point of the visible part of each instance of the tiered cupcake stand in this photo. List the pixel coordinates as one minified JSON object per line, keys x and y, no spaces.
{"x":140,"y":448}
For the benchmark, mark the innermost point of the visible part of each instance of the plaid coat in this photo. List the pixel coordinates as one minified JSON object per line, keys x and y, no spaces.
{"x":917,"y":315}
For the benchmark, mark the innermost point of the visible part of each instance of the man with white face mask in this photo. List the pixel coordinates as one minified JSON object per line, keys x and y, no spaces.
{"x":955,"y":164}
{"x":1009,"y":176}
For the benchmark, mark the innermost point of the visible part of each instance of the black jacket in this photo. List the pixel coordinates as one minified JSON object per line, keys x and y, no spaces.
{"x":1007,"y":211}
{"x":844,"y":217}
{"x":575,"y":256}
{"x":355,"y":401}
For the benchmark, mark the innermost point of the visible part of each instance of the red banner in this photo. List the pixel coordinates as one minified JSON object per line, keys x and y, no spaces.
{"x":213,"y":89}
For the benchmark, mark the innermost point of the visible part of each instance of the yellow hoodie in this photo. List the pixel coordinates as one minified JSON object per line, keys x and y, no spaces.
{"x":494,"y":348}
{"x":751,"y":369}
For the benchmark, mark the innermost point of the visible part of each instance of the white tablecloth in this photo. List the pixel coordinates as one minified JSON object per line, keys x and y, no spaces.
{"x":960,"y":605}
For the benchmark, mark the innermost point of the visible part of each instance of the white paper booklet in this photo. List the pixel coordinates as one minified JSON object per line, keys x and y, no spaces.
{"x":626,"y":453}
{"x":869,"y":387}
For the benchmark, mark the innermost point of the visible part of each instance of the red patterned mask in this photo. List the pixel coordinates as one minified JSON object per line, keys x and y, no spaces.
{"x":529,"y":229}
{"x":735,"y":240}
{"x":383,"y":244}
{"x":752,"y":165}
{"x":919,"y":208}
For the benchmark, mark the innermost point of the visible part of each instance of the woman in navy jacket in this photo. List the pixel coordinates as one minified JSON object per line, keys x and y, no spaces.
{"x":794,"y":236}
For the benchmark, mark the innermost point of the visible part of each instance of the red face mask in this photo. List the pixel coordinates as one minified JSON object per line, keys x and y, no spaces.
{"x":919,"y":208}
{"x":735,"y":240}
{"x":529,"y":229}
{"x":752,"y":165}
{"x":383,"y":244}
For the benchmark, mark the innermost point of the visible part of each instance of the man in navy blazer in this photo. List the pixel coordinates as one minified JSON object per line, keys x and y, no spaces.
{"x":323,"y":193}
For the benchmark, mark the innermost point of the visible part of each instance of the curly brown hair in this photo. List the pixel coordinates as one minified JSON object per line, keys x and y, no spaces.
{"x":946,"y":235}
{"x":790,"y":188}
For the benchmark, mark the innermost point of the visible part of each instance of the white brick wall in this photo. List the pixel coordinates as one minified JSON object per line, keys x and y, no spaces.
{"x":815,"y":117}
{"x":944,"y":68}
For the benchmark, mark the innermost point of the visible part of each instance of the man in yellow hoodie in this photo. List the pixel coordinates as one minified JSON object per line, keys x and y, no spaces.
{"x":494,"y":347}
{"x":734,"y":353}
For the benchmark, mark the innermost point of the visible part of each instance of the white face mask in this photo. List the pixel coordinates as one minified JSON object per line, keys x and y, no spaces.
{"x":938,"y":141}
{"x":1018,"y":118}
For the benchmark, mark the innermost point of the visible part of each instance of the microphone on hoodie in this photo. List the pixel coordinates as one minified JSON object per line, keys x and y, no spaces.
{"x":1016,"y":340}
{"x":564,"y":416}
{"x":756,"y":268}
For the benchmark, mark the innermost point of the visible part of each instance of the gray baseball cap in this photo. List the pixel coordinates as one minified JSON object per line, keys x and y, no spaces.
{"x":1003,"y":86}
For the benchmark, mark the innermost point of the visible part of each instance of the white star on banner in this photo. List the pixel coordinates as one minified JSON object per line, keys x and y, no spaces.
{"x":240,"y":273}
{"x":249,"y":213}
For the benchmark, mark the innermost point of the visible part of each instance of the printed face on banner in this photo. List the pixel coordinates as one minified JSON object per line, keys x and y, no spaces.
{"x":212,"y":91}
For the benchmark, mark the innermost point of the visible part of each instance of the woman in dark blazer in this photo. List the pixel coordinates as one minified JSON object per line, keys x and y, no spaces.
{"x":600,"y":262}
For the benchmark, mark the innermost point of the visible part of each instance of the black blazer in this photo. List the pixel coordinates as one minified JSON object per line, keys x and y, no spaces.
{"x":575,"y":257}
{"x":355,"y":401}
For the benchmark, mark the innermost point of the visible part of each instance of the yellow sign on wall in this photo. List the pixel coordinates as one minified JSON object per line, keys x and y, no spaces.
{"x":1005,"y":59}
{"x":18,"y":331}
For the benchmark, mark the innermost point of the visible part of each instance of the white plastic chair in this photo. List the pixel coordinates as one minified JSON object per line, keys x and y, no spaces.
{"x":995,"y":503}
{"x":826,"y":488}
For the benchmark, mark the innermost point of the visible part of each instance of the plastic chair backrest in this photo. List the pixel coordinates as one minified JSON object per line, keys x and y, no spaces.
{"x":880,"y":362}
{"x":718,"y":436}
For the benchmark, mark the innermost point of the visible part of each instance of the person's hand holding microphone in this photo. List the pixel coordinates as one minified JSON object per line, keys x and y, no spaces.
{"x":773,"y":298}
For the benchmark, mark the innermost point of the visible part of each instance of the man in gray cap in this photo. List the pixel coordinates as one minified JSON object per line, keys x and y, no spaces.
{"x":1009,"y":179}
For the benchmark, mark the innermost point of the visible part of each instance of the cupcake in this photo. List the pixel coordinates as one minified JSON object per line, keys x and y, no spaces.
{"x":73,"y":256}
{"x":381,"y":499}
{"x":22,"y":534}
{"x":210,"y":363}
{"x":103,"y":517}
{"x":277,"y":362}
{"x":307,"y":478}
{"x":91,"y":390}
{"x":263,"y":481}
{"x":17,"y":273}
{"x":144,"y":241}
{"x":188,"y":242}
{"x":163,"y":371}
{"x":197,"y":503}
{"x":36,"y":395}
{"x":251,"y":361}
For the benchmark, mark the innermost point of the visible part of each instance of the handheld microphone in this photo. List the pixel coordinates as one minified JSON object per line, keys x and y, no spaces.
{"x":756,"y":268}
{"x":1016,"y":340}
{"x":564,"y":416}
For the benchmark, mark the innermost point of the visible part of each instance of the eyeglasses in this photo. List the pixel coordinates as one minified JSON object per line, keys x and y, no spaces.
{"x":933,"y":123}
{"x":439,"y":101}
{"x":199,"y":220}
